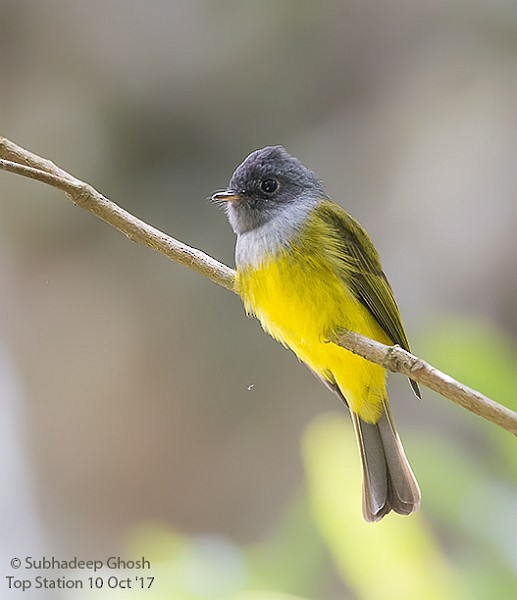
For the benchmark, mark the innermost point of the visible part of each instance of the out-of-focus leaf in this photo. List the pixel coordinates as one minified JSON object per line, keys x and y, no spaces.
{"x":396,"y":558}
{"x":266,"y":596}
{"x":446,"y":474}
{"x":483,"y":358}
{"x":476,"y":354}
{"x":487,"y":578}
{"x":212,"y":568}
{"x":204,"y":568}
{"x":463,"y":495}
{"x":291,"y":558}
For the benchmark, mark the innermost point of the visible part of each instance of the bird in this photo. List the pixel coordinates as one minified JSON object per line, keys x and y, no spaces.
{"x":307,"y":270}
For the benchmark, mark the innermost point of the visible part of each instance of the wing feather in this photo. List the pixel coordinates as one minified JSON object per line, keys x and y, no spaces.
{"x":363,"y":274}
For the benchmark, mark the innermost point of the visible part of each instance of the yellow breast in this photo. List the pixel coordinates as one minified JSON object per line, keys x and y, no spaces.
{"x":301,"y":301}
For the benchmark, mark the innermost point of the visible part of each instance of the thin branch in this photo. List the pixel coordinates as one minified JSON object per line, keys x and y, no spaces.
{"x":398,"y":360}
{"x":15,"y":159}
{"x":29,"y":165}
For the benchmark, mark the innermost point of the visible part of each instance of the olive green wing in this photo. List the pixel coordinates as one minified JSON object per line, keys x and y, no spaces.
{"x":362,"y":270}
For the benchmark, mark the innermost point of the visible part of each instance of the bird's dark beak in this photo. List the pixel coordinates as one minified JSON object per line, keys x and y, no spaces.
{"x":226,"y":196}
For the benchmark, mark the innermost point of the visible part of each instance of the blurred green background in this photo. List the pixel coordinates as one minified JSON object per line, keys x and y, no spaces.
{"x":141,"y":413}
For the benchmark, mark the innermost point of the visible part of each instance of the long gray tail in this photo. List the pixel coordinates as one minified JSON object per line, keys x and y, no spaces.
{"x":388,"y":481}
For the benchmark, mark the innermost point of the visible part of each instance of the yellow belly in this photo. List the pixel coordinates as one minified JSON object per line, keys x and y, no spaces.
{"x":301,"y":302}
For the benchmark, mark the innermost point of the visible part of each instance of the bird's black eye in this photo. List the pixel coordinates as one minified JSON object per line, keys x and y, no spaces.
{"x":269,"y":186}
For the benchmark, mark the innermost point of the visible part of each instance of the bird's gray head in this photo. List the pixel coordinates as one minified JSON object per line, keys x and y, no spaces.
{"x":264,"y":185}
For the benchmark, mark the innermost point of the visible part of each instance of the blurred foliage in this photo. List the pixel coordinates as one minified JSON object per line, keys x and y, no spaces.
{"x":461,"y":545}
{"x":396,"y":558}
{"x":484,"y":358}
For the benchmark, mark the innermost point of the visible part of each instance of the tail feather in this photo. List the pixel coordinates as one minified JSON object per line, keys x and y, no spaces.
{"x":388,"y":481}
{"x":375,"y":472}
